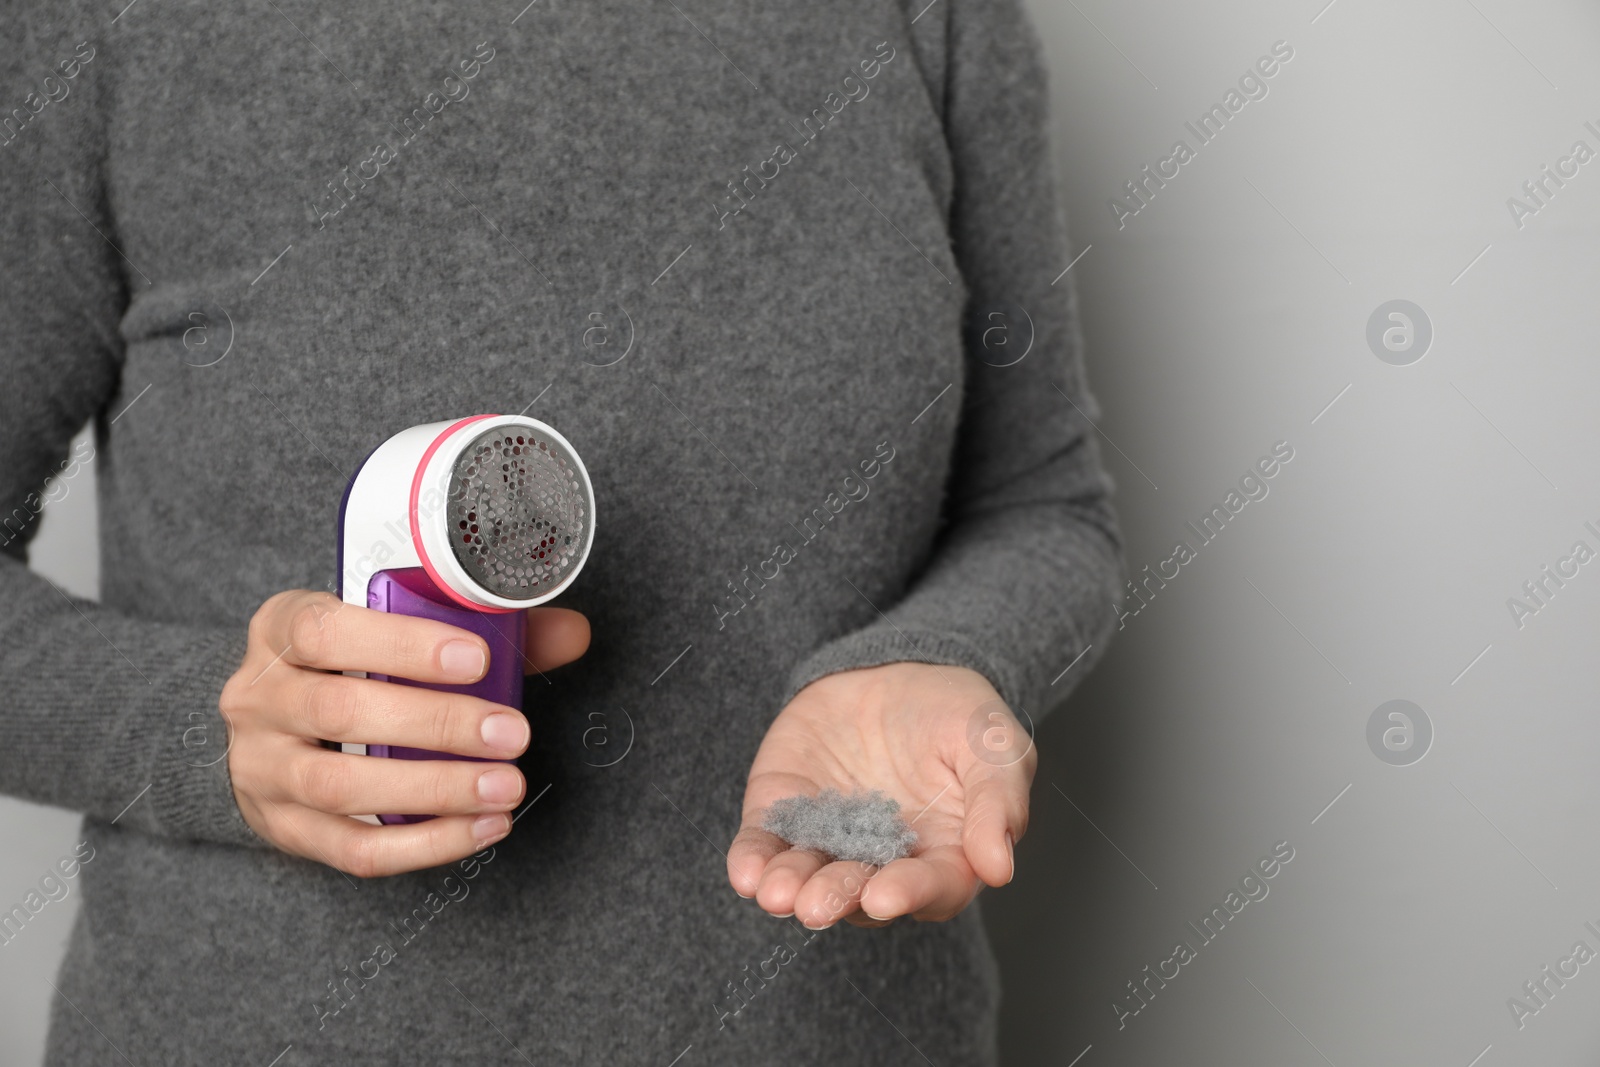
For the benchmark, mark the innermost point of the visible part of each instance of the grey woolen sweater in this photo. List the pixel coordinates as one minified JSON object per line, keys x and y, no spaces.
{"x":251,"y":241}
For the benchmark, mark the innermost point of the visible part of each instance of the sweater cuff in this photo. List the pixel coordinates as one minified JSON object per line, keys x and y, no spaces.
{"x":191,"y":791}
{"x":881,"y":643}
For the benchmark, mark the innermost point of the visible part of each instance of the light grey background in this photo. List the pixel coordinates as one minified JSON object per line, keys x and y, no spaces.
{"x":1223,"y":318}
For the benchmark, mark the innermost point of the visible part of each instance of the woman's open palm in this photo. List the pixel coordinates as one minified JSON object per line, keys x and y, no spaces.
{"x":938,"y":740}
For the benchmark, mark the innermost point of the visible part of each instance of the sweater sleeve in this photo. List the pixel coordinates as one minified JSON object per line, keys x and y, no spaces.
{"x":103,"y":713}
{"x":1028,"y":568}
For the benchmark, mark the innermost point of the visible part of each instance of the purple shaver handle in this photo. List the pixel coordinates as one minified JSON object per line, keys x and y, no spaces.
{"x":411,"y":592}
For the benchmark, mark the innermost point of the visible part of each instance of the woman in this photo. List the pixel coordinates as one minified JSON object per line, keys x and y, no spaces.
{"x":789,"y":279}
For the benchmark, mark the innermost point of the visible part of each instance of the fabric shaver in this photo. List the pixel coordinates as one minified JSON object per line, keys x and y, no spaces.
{"x":469,"y":522}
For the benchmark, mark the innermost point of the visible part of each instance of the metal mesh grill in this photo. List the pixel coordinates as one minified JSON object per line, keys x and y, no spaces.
{"x":517,"y":512}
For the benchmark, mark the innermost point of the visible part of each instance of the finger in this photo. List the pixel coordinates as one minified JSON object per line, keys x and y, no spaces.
{"x":833,"y":893}
{"x":748,"y":857}
{"x":367,"y":851}
{"x":996,"y":818}
{"x":783,"y":879}
{"x":556,"y":637}
{"x":933,"y":886}
{"x":338,"y":707}
{"x":319,"y":630}
{"x":360,"y":785}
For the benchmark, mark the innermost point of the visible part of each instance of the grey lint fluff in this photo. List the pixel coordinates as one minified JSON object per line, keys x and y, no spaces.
{"x":864,"y":827}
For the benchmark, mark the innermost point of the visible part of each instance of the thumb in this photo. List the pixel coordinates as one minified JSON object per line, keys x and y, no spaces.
{"x":556,"y":636}
{"x":996,"y":818}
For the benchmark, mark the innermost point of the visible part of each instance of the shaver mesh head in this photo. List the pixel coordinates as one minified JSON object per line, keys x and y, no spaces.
{"x":517,"y":512}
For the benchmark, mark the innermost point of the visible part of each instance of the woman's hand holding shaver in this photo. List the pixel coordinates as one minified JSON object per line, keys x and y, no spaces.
{"x":288,"y":695}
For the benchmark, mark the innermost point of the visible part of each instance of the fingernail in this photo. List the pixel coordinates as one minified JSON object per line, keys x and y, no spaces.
{"x":505,"y":733}
{"x":869,"y":913}
{"x":499,"y":786}
{"x":463,"y":659}
{"x":1011,"y":854}
{"x":489,"y":829}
